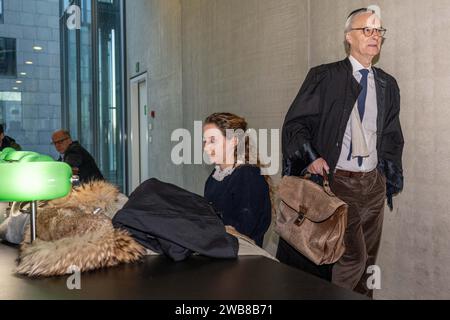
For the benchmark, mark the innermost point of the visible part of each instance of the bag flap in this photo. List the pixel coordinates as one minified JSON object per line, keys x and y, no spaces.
{"x":309,"y":198}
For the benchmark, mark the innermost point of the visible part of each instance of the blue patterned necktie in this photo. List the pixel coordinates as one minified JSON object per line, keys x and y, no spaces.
{"x":361,"y":107}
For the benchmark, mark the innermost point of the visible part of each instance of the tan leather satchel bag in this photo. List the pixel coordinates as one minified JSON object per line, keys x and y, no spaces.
{"x":312,"y":219}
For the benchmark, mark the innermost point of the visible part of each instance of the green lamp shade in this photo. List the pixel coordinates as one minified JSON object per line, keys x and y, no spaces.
{"x":6,"y":152}
{"x":37,"y":158}
{"x":28,"y":180}
{"x":25,"y":156}
{"x":19,"y":155}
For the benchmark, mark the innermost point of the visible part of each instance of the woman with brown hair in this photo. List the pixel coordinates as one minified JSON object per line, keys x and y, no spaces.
{"x":236,"y":188}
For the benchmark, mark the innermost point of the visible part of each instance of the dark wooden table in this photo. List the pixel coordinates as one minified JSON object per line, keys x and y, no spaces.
{"x":157,"y":277}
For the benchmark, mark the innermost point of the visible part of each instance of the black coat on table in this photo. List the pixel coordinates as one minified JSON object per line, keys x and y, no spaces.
{"x":171,"y":220}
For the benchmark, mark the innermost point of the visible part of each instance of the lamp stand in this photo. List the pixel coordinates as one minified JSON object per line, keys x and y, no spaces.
{"x":33,"y":220}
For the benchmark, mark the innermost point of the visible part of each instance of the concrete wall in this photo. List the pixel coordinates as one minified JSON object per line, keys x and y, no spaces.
{"x":154,"y":40}
{"x":32,"y":120}
{"x":246,"y":57}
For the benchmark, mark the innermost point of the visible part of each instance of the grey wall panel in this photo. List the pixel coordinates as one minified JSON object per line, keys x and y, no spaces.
{"x":246,"y":57}
{"x":154,"y":40}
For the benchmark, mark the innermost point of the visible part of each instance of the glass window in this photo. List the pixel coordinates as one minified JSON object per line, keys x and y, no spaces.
{"x":1,"y":11}
{"x":72,"y":71}
{"x":110,"y":91}
{"x":11,"y":115}
{"x":86,"y":111}
{"x":92,"y":84}
{"x":30,"y":78}
{"x":64,"y":4}
{"x":8,"y":63}
{"x":10,"y":111}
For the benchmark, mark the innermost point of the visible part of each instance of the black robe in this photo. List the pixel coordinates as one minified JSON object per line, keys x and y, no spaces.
{"x":315,"y":124}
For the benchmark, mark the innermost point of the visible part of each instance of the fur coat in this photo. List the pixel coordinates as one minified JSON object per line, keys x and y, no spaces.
{"x":76,"y":231}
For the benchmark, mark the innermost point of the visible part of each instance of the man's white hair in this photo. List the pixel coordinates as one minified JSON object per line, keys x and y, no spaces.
{"x":374,"y":9}
{"x":353,"y":16}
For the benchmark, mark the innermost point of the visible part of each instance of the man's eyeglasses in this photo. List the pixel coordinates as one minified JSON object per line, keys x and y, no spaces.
{"x":59,"y":141}
{"x":368,"y":32}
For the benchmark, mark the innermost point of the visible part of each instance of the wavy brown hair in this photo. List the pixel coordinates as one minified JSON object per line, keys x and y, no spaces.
{"x":228,"y":121}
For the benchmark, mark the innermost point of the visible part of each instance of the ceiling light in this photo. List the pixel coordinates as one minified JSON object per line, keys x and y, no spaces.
{"x":37,"y":48}
{"x":23,"y":73}
{"x":28,"y":62}
{"x":15,"y":88}
{"x":19,"y":81}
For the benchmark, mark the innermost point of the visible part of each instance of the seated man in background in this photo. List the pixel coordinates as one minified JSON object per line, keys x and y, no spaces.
{"x":6,"y":141}
{"x":71,"y":152}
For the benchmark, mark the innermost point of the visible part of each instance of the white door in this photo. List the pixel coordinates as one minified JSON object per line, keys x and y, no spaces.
{"x":143,"y":131}
{"x":138,"y":135}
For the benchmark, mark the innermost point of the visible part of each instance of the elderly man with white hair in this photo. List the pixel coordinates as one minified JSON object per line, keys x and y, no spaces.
{"x":345,"y":121}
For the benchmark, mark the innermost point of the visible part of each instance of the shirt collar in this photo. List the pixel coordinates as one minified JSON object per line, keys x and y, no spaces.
{"x":358,"y":66}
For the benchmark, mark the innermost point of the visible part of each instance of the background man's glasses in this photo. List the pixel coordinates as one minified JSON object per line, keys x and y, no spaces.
{"x":59,"y":141}
{"x":368,"y":32}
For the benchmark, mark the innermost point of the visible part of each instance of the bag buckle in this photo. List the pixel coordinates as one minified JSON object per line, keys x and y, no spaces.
{"x":301,"y":216}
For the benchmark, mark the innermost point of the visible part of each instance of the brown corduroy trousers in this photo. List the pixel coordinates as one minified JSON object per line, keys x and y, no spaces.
{"x":365,"y":195}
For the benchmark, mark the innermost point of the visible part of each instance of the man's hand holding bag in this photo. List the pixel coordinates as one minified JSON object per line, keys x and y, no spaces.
{"x":312,"y":219}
